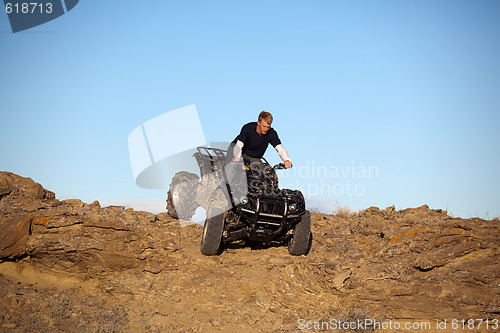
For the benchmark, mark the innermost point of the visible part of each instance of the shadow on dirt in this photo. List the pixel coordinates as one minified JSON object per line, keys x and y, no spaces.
{"x":253,"y":245}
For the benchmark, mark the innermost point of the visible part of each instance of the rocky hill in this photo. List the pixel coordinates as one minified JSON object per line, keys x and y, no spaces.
{"x":69,"y":266}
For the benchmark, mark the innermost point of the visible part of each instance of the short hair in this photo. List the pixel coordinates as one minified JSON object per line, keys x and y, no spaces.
{"x":266,"y":116}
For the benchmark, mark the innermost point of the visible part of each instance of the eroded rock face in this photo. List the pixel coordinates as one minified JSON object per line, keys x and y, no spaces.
{"x":417,"y":263}
{"x":68,"y":265}
{"x":72,"y":235}
{"x":19,"y":186}
{"x":19,"y":197}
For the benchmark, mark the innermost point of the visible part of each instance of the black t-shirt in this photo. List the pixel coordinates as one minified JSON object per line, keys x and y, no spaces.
{"x":255,"y":145}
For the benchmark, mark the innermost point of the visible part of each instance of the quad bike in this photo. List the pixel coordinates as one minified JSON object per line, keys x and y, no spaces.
{"x":243,"y":201}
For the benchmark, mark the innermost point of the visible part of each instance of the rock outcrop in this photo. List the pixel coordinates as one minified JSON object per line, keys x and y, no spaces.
{"x":72,"y":266}
{"x":76,"y":237}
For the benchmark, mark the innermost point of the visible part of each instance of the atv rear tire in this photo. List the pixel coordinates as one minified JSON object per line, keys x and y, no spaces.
{"x":181,"y":197}
{"x":300,"y":243}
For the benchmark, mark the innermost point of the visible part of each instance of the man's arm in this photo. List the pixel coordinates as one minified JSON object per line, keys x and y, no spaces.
{"x":238,"y":147}
{"x":284,"y":155}
{"x":240,"y":139}
{"x":276,"y":142}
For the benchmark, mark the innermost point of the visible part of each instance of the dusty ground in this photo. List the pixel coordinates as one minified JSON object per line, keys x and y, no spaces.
{"x":68,"y":266}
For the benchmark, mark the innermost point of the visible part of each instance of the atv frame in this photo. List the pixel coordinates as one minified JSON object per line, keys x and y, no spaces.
{"x":251,"y":207}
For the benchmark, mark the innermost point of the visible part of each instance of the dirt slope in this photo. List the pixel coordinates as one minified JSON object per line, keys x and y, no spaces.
{"x":68,"y":266}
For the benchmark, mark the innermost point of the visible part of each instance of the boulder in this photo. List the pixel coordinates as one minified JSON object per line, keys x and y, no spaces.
{"x":14,"y":235}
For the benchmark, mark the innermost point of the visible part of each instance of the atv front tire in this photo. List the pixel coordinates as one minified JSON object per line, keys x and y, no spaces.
{"x":300,"y":243}
{"x":212,"y":232}
{"x":214,"y":223}
{"x":181,"y":196}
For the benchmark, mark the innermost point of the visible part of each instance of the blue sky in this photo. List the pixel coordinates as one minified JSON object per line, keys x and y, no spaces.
{"x":409,"y":90}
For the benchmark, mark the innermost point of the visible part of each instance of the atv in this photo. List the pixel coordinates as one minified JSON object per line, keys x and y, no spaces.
{"x":243,"y":202}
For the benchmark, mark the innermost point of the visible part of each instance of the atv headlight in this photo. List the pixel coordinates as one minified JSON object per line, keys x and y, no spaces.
{"x":244,"y":200}
{"x":292,"y":207}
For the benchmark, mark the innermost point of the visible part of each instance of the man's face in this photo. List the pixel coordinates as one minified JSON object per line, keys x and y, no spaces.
{"x":262,"y":127}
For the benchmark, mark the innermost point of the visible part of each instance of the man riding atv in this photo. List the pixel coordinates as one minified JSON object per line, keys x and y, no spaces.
{"x":253,"y":140}
{"x":240,"y":193}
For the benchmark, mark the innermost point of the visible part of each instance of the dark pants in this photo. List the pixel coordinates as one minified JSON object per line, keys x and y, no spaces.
{"x":255,"y":162}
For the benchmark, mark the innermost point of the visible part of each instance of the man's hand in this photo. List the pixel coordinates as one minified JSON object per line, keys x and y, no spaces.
{"x":236,"y":159}
{"x":288,"y":164}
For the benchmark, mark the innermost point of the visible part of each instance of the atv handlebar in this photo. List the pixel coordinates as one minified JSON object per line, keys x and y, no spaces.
{"x":279,"y":166}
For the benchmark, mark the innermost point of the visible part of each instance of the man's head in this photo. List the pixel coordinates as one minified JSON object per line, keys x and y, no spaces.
{"x":264,"y":115}
{"x":264,"y":122}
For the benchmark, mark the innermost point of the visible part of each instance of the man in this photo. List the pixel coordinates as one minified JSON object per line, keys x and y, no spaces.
{"x":252,"y":142}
